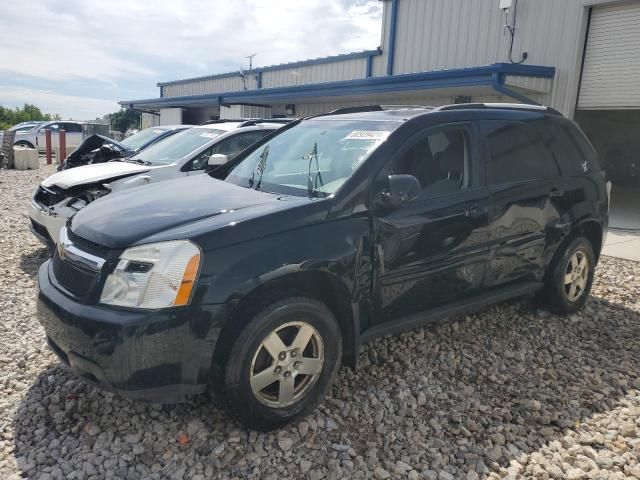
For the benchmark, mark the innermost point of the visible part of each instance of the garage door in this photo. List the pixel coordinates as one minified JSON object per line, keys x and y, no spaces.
{"x":611,"y":74}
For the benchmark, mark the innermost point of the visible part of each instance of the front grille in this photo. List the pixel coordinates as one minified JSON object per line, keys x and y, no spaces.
{"x":87,"y":245}
{"x":76,"y":280}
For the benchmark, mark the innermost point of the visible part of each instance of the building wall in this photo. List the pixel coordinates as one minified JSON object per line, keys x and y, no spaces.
{"x":320,"y":73}
{"x":447,"y":34}
{"x":170,"y":116}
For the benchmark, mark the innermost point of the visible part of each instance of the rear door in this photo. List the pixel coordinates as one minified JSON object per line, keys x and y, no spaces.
{"x":526,"y":192}
{"x":432,"y":251}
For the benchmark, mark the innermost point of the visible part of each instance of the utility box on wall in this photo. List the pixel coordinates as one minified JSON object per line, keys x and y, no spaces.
{"x":244,"y":111}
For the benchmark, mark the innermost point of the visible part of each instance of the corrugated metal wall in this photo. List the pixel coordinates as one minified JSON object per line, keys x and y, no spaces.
{"x":446,"y":34}
{"x":321,"y":73}
{"x":204,"y":86}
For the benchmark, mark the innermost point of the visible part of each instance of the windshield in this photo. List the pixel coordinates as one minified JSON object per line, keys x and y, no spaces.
{"x":313,"y":158}
{"x":175,"y":147}
{"x":137,"y":141}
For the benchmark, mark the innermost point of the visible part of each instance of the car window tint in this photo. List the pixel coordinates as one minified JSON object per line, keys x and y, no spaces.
{"x":237,"y":143}
{"x":517,"y":154}
{"x":440,"y":162}
{"x":72,"y":127}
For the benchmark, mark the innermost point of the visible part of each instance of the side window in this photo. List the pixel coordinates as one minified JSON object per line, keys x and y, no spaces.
{"x":237,"y":143}
{"x":54,"y":127}
{"x":72,"y":127}
{"x":440,"y":161}
{"x":517,"y":154}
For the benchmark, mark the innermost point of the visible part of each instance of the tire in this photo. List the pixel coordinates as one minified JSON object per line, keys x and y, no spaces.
{"x":23,"y":143}
{"x":558,"y":294}
{"x":266,"y":406}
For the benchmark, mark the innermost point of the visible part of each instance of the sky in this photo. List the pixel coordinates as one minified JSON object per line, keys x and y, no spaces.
{"x":79,"y":58}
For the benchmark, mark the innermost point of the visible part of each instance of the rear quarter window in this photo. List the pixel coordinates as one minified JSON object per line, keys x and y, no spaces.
{"x":571,"y":148}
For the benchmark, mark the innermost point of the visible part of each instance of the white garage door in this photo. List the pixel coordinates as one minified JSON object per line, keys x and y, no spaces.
{"x":611,"y":74}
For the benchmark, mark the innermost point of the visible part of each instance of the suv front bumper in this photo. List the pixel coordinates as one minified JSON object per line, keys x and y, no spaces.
{"x":161,"y":356}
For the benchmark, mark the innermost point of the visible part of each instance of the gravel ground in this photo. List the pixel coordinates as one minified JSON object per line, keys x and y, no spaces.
{"x":508,"y":393}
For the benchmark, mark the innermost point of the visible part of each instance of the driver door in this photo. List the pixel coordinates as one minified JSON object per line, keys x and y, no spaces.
{"x":432,"y":250}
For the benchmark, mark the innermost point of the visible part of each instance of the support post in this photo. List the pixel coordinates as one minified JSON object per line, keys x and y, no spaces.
{"x":47,"y":144}
{"x":63,"y":146}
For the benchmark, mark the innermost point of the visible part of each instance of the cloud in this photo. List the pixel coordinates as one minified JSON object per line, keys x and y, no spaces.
{"x":68,"y":106}
{"x":119,"y":49}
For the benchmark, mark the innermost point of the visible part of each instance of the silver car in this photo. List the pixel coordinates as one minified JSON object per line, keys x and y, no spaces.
{"x":35,"y":137}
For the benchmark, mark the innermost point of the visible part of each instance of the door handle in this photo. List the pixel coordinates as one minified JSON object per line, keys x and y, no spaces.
{"x":556,"y":192}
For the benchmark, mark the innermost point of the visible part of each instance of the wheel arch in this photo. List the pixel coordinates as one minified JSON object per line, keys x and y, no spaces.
{"x":589,"y":228}
{"x":319,"y":285}
{"x":25,"y":142}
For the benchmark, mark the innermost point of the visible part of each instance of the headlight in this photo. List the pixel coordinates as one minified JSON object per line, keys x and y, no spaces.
{"x":157,"y":275}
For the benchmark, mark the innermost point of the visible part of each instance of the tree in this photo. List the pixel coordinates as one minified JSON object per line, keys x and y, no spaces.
{"x":12,"y":116}
{"x":124,"y":119}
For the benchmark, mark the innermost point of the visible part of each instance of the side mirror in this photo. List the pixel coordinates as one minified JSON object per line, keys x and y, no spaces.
{"x":217,"y":159}
{"x":402,"y":189}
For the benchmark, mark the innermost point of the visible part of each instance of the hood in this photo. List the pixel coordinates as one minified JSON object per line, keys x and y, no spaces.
{"x":96,"y":141}
{"x":91,"y":151}
{"x":174,"y":207}
{"x":98,"y":172}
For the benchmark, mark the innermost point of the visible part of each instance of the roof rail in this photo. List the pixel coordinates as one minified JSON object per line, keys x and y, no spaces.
{"x":251,"y":123}
{"x":369,"y":108}
{"x":506,"y":106}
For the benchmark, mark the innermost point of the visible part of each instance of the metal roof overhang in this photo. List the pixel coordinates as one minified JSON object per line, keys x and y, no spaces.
{"x":492,"y":76}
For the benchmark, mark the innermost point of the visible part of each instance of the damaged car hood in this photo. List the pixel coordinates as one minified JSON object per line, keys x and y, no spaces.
{"x":122,"y":219}
{"x":99,"y":172}
{"x":90,"y":151}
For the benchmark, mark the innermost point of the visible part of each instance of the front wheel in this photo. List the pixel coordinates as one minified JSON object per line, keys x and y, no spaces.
{"x":23,"y":143}
{"x":570,"y":277}
{"x":282,"y":363}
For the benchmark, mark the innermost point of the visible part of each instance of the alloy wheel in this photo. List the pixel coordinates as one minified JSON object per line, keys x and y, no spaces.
{"x":576,"y":275}
{"x":287,"y":364}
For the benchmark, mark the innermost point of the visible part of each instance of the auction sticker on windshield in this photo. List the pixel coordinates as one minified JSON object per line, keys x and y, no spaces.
{"x":367,"y":135}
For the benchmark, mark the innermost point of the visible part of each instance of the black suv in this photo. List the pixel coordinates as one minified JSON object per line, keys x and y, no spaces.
{"x":258,"y":280}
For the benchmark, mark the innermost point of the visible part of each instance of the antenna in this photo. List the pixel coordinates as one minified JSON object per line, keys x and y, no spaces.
{"x":250,"y":57}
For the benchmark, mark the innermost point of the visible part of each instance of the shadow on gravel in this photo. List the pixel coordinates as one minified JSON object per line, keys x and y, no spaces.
{"x":475,"y":393}
{"x":30,"y":262}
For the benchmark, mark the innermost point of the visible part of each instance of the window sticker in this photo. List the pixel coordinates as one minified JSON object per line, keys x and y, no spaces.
{"x":367,"y":135}
{"x":208,"y":135}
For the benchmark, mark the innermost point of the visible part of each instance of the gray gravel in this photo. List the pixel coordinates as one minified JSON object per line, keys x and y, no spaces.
{"x":508,"y":393}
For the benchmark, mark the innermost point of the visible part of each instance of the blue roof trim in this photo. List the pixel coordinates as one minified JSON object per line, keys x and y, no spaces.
{"x":281,"y":66}
{"x":474,"y":76}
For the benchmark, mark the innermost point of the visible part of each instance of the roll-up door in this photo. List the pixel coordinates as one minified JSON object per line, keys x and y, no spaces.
{"x":611,"y":73}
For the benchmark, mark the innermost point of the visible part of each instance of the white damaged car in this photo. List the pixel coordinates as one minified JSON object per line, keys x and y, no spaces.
{"x":189,"y":152}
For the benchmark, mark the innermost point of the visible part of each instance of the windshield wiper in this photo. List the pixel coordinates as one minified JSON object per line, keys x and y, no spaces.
{"x":260,"y":167}
{"x":312,"y":182}
{"x":138,"y":161}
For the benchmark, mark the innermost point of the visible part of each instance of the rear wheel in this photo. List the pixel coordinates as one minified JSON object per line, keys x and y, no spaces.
{"x":282,"y":363}
{"x":23,"y":143}
{"x":570,"y":277}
